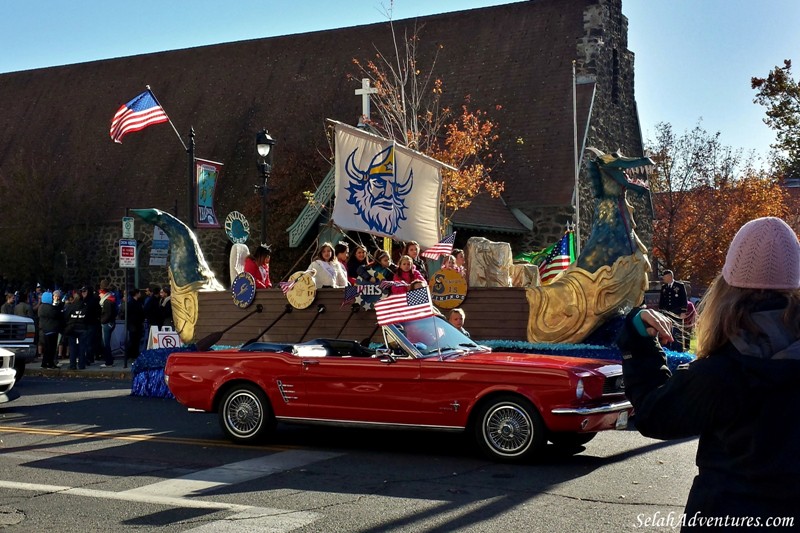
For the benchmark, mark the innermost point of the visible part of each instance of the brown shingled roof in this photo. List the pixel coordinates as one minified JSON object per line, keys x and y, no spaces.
{"x":517,"y":55}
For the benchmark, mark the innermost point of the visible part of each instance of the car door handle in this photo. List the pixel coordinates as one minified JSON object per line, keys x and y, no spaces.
{"x":309,"y":362}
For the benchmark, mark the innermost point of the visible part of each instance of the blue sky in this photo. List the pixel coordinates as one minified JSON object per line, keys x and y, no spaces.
{"x":694,"y":58}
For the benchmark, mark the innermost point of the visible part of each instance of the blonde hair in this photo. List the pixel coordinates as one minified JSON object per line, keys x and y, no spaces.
{"x":458,"y":311}
{"x":725,"y":311}
{"x":405,"y":258}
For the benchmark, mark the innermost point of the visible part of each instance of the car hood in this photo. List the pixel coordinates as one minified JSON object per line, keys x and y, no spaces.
{"x":562,"y":362}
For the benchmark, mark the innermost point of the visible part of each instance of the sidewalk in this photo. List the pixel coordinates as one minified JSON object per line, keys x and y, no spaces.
{"x":93,"y":371}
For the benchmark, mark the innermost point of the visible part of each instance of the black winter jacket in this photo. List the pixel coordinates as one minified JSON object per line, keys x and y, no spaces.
{"x":76,"y":315}
{"x":742,"y":402}
{"x":108,"y":309}
{"x":49,"y":318}
{"x":135,"y":315}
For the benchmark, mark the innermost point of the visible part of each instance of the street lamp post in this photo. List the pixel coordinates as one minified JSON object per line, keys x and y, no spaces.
{"x":265,"y":148}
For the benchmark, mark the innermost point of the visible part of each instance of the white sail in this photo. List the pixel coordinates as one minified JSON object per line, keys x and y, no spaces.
{"x":386,"y":189}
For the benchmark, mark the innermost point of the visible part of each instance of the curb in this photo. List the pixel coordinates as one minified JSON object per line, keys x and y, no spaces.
{"x":116,"y":374}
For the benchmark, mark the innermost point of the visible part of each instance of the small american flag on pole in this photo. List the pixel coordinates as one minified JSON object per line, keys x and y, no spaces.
{"x":406,"y":306}
{"x":559,"y":258}
{"x":136,"y":115}
{"x":386,"y":284}
{"x":286,"y":286}
{"x":351,"y":292}
{"x":443,"y":247}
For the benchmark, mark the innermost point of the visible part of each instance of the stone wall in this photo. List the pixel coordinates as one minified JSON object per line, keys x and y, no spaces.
{"x":102,"y":257}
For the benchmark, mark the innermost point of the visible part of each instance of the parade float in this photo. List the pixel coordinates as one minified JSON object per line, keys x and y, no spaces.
{"x":576,"y":314}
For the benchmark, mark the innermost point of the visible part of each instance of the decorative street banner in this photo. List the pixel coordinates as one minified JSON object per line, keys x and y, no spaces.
{"x":160,"y":247}
{"x":386,"y":189}
{"x":207,"y":174}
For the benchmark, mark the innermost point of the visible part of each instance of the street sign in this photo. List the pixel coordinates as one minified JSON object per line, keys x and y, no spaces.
{"x":127,"y":227}
{"x":127,"y":253}
{"x":159,"y":248}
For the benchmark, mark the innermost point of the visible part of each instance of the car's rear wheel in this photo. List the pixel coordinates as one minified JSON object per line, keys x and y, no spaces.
{"x":245,"y":414}
{"x":508,"y":428}
{"x":571,"y":441}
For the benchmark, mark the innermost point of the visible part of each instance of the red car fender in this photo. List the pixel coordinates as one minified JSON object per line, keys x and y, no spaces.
{"x":498,"y":390}
{"x":237,"y":375}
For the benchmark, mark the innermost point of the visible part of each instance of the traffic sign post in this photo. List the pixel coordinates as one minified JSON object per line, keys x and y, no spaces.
{"x":127,"y":253}
{"x":127,"y":227}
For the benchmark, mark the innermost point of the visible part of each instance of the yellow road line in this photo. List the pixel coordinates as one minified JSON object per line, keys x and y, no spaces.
{"x":138,"y":438}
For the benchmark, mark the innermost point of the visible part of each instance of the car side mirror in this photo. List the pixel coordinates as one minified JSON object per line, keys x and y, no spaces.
{"x":385,"y":355}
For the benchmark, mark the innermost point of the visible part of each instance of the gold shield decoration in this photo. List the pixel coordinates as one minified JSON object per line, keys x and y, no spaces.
{"x":302,"y":293}
{"x":448,"y":288}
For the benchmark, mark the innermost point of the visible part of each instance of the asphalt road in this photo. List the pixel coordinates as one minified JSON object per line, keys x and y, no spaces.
{"x":83,"y":455}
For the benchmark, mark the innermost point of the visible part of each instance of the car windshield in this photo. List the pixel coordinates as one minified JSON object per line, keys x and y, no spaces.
{"x":434,"y":336}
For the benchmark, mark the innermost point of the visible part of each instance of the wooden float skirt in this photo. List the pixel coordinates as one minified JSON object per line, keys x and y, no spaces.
{"x":491,"y":313}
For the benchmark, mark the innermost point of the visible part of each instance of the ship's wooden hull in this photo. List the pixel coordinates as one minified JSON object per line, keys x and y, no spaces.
{"x":491,"y":313}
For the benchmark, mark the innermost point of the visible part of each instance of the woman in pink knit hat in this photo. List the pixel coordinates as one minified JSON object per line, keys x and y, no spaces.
{"x":741,"y":394}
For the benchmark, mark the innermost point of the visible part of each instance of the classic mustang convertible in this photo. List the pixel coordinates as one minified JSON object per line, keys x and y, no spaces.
{"x":424,"y":375}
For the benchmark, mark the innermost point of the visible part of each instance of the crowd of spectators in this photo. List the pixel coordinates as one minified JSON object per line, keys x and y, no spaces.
{"x":78,"y":324}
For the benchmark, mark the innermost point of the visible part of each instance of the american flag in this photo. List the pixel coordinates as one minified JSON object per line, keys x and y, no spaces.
{"x":385,"y":284}
{"x":444,"y":247}
{"x":406,"y":306}
{"x":559,"y":258}
{"x":350,"y":294}
{"x":136,"y":115}
{"x":286,"y":286}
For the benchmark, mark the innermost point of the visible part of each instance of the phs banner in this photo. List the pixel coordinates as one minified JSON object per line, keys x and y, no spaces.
{"x":206,"y":176}
{"x":385,"y":189}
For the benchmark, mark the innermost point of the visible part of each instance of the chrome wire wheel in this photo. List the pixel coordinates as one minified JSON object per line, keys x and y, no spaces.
{"x":244,"y":413}
{"x":508,"y":428}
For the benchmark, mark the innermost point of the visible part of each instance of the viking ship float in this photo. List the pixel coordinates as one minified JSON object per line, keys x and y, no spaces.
{"x":377,"y":180}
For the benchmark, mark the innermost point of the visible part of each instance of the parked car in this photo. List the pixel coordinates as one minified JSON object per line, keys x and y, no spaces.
{"x":7,"y":376}
{"x":18,"y":335}
{"x":425,"y":374}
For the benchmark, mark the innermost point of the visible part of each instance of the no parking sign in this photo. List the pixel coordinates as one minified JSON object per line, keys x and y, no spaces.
{"x":165,"y":337}
{"x":127,"y":253}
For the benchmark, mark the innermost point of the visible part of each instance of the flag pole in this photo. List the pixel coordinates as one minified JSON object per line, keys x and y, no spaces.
{"x":169,"y":119}
{"x":189,"y":150}
{"x":577,"y":163}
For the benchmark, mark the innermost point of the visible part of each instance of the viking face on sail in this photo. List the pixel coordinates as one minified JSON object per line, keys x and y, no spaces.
{"x":376,"y":193}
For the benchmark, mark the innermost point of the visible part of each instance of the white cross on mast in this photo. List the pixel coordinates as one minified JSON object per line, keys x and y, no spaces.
{"x":365,"y":91}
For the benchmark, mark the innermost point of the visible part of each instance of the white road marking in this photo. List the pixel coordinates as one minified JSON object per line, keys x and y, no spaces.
{"x":196,"y":483}
{"x":123,"y":496}
{"x":176,"y":492}
{"x":259,"y":520}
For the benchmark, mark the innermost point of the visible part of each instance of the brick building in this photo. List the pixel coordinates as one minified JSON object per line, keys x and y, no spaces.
{"x":65,"y":185}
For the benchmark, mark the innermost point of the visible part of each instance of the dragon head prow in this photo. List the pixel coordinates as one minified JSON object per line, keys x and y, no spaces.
{"x":628,"y":173}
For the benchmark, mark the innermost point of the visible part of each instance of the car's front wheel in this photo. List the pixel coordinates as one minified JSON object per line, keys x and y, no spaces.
{"x":245,"y":414}
{"x":508,"y":428}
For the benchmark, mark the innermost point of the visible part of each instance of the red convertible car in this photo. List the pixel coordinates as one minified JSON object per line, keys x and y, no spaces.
{"x":425,"y":375}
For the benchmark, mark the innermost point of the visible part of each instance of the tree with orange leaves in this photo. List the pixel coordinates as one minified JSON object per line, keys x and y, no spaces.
{"x":409,"y":109}
{"x":703,"y":193}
